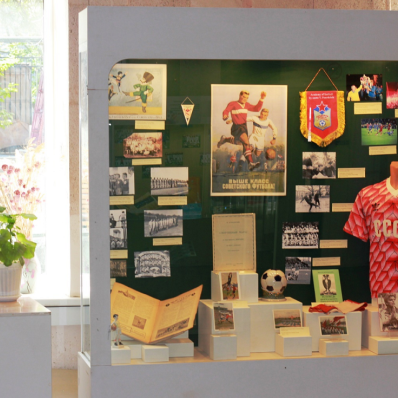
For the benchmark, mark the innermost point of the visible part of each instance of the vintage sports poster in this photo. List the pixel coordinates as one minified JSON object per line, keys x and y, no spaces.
{"x":327,"y":285}
{"x":322,"y":116}
{"x":137,"y":91}
{"x":248,"y":140}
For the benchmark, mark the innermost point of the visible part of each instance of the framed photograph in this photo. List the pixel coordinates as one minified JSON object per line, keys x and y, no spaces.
{"x":191,"y":141}
{"x":300,"y":235}
{"x":121,"y":181}
{"x":169,"y":181}
{"x":143,"y":146}
{"x":388,"y":312}
{"x":223,"y":317}
{"x":152,"y":264}
{"x":333,"y":325}
{"x":118,"y":229}
{"x":364,"y":87}
{"x":287,"y":318}
{"x":230,"y":287}
{"x":376,"y":131}
{"x":118,"y":268}
{"x":162,"y":223}
{"x":174,"y":159}
{"x":327,"y":285}
{"x":234,"y":242}
{"x":137,"y":91}
{"x":298,"y":270}
{"x":319,"y":165}
{"x":392,"y":95}
{"x":248,"y":140}
{"x":312,"y":198}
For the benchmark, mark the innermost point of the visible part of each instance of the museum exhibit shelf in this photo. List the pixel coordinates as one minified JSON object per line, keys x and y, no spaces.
{"x":25,"y":347}
{"x":229,"y":39}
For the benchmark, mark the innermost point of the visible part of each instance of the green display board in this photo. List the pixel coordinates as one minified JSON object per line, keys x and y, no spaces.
{"x":191,"y":262}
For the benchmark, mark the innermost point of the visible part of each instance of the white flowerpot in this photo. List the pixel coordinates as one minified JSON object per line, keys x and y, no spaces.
{"x":10,"y":282}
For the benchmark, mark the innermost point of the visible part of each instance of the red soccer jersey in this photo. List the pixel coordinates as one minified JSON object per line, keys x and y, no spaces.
{"x":239,"y":111}
{"x":374,"y":216}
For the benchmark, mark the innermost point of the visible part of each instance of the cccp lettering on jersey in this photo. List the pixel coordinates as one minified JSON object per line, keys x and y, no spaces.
{"x":387,"y":228}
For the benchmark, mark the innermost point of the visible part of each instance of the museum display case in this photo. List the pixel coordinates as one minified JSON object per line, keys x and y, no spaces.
{"x":143,"y":153}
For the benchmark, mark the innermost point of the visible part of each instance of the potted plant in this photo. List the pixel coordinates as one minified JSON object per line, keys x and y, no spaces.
{"x":14,"y":248}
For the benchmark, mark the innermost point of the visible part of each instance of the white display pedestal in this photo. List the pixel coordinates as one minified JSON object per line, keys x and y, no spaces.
{"x":371,"y":324}
{"x":120,"y":355}
{"x":223,"y":347}
{"x":25,"y":347}
{"x":293,"y":346}
{"x":333,"y":347}
{"x":135,"y":348}
{"x":354,"y":325}
{"x":179,"y":348}
{"x":383,"y":345}
{"x":155,"y":353}
{"x":248,"y":282}
{"x":262,"y":323}
{"x":241,"y":332}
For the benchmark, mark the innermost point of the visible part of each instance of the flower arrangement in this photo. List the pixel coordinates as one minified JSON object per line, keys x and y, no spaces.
{"x":20,"y":181}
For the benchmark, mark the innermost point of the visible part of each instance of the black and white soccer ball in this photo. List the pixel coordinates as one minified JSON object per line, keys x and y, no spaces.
{"x":273,"y":284}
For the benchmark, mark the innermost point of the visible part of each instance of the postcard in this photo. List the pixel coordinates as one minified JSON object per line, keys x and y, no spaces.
{"x":388,"y":312}
{"x":312,"y":198}
{"x":137,"y":91}
{"x":223,"y":316}
{"x":143,"y":146}
{"x":162,"y":223}
{"x":152,"y":264}
{"x":327,"y":285}
{"x":300,"y":235}
{"x":121,"y":181}
{"x":287,"y":318}
{"x":376,"y":131}
{"x":248,"y":140}
{"x":118,"y":229}
{"x":169,"y":181}
{"x":118,"y":268}
{"x":230,"y":285}
{"x":333,"y":325}
{"x":319,"y":165}
{"x":298,"y":270}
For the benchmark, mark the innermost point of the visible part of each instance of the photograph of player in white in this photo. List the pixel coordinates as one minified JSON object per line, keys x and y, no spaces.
{"x":248,"y":148}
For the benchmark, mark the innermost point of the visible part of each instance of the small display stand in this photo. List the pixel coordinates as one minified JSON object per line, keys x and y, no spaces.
{"x":371,"y":324}
{"x":262,"y":323}
{"x":121,"y":355}
{"x":354,"y":326}
{"x":155,"y":353}
{"x":293,"y":342}
{"x":248,"y":286}
{"x":224,"y":345}
{"x":384,"y":345}
{"x":333,"y":347}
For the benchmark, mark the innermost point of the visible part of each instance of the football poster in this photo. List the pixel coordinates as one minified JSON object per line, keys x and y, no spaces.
{"x":248,"y":140}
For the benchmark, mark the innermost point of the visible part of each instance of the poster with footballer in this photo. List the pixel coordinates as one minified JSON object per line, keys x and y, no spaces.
{"x":248,"y":140}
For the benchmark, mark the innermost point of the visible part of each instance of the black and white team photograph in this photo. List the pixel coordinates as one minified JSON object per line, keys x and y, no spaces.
{"x":118,"y":229}
{"x":319,"y":165}
{"x":169,"y":181}
{"x":300,"y":235}
{"x":143,"y":146}
{"x":312,"y":198}
{"x":298,"y":270}
{"x":152,"y":264}
{"x":118,"y":268}
{"x":162,"y":223}
{"x":121,"y":181}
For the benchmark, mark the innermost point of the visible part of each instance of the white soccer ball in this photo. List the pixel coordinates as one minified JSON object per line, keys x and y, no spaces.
{"x":273,"y":284}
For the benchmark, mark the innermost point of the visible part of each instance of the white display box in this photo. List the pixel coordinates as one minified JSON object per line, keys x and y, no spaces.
{"x":248,"y":286}
{"x":293,"y":346}
{"x":371,"y":324}
{"x":333,"y":347}
{"x":121,"y":355}
{"x":179,"y":348}
{"x":262,"y":337}
{"x":383,"y":345}
{"x":242,"y":327}
{"x":135,"y":348}
{"x":223,"y":346}
{"x":154,"y":353}
{"x":354,"y":327}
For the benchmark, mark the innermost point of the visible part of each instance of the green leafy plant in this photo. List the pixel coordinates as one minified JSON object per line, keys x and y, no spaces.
{"x":13,"y":244}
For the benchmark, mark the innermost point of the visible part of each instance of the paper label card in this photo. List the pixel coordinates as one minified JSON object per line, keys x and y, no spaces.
{"x":115,"y":254}
{"x":234,"y":242}
{"x":368,"y":108}
{"x":149,"y":125}
{"x":383,"y":150}
{"x":172,"y":200}
{"x":167,"y":241}
{"x":295,"y":332}
{"x":342,"y":207}
{"x":146,"y":162}
{"x":333,"y":244}
{"x":121,"y":200}
{"x":358,"y":172}
{"x":325,"y":261}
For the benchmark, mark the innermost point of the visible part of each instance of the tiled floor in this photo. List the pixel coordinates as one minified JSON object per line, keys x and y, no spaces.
{"x":64,"y":383}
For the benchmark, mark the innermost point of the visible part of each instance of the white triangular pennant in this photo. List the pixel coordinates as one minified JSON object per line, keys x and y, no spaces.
{"x":187,"y":109}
